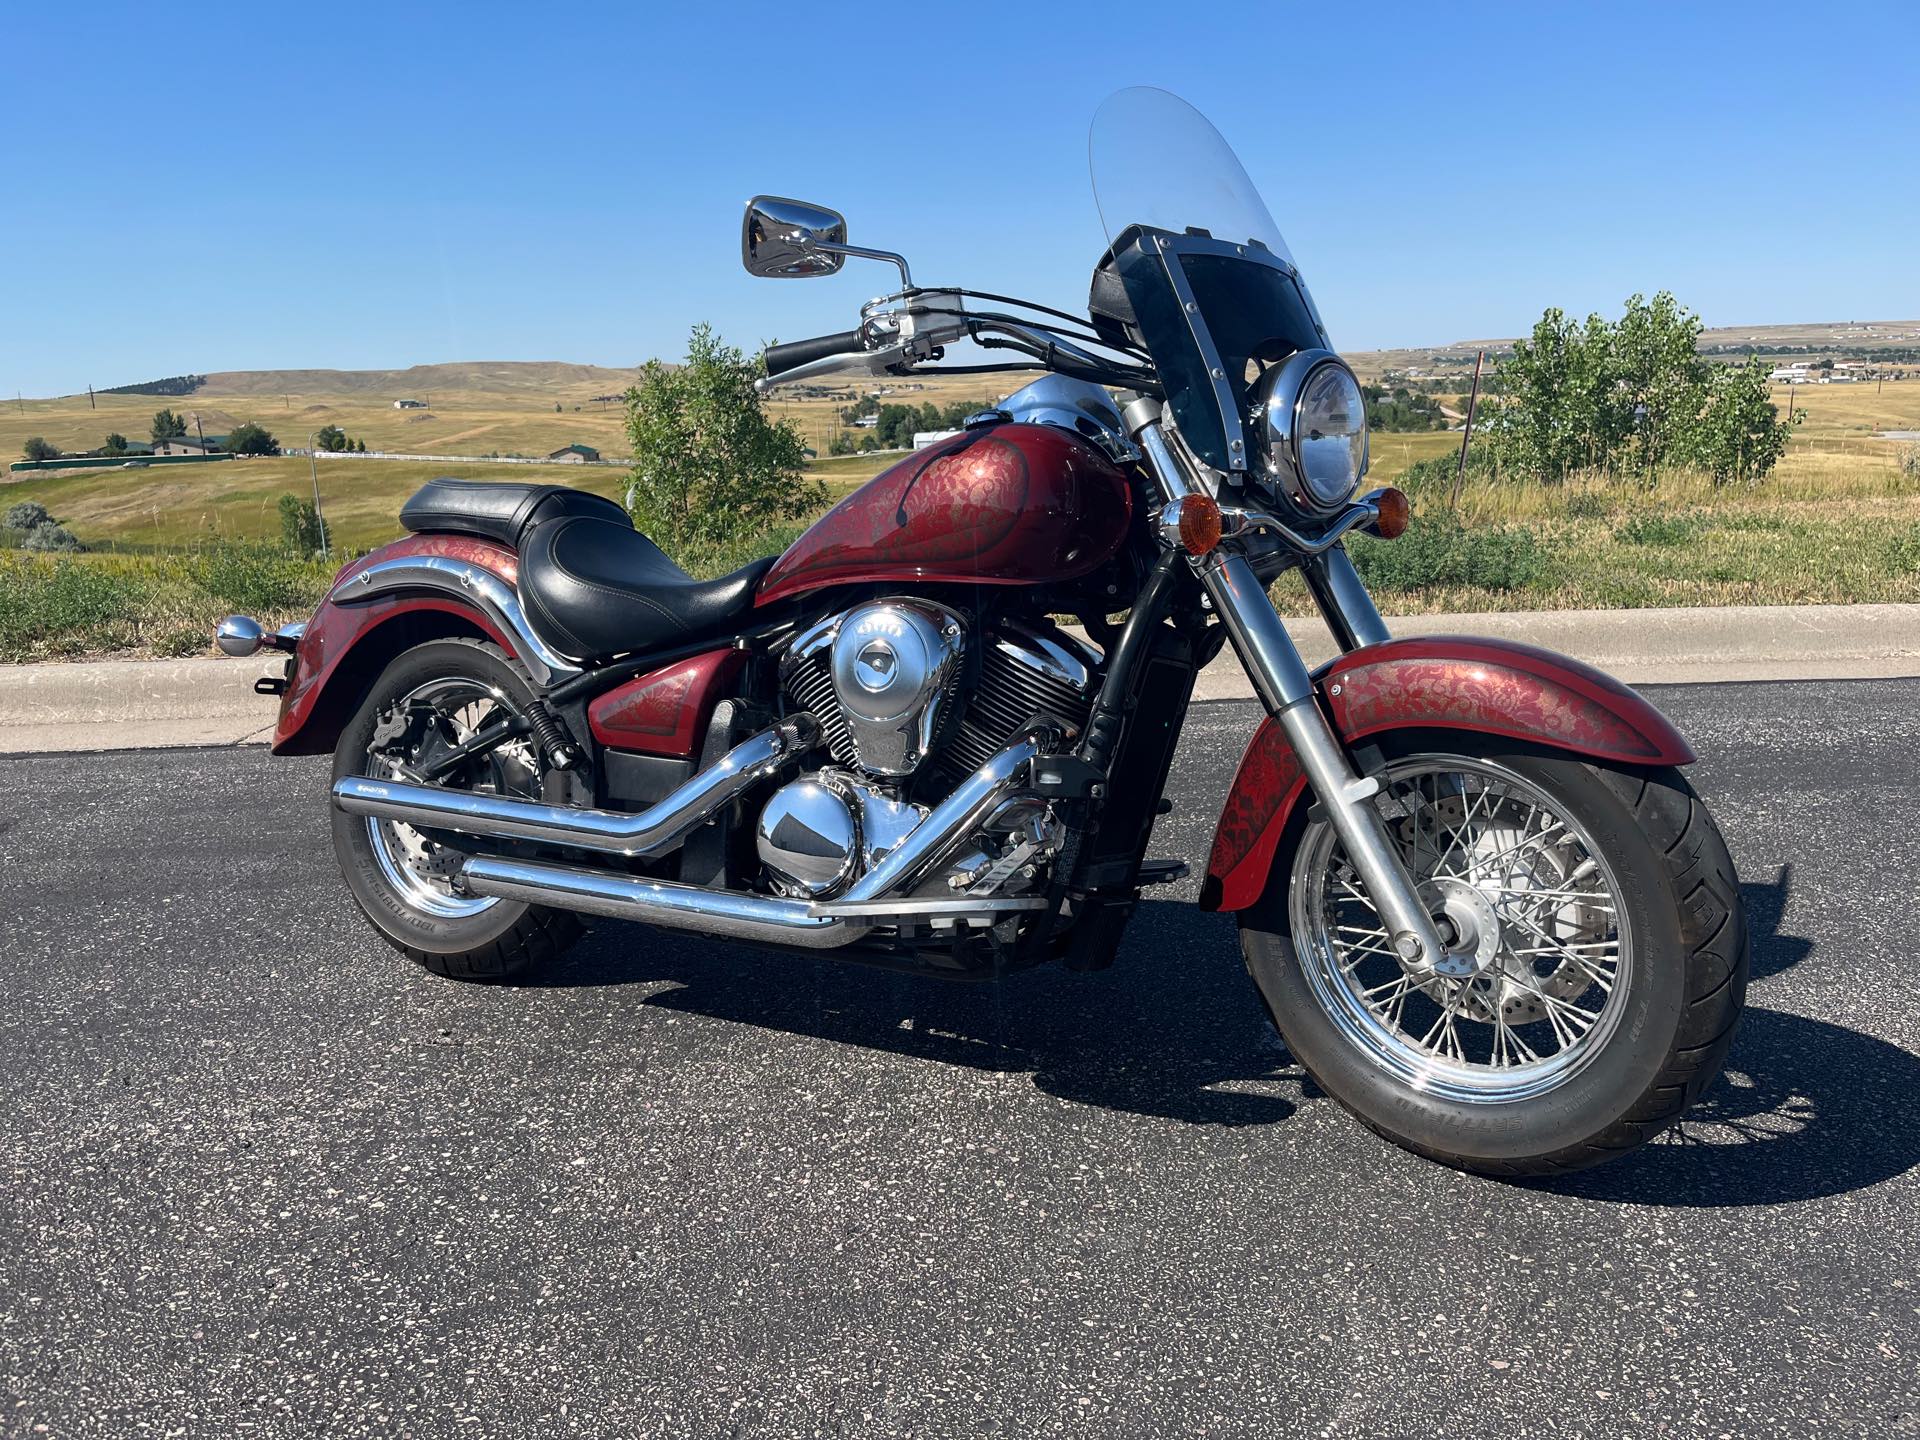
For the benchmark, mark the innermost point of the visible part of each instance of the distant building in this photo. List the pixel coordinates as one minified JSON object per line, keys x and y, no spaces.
{"x":188,"y":445}
{"x":575,"y":455}
{"x":409,"y":404}
{"x":866,"y":422}
{"x":923,"y":438}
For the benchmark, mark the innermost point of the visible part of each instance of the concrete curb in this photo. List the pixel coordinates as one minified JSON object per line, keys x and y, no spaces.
{"x":146,"y":704}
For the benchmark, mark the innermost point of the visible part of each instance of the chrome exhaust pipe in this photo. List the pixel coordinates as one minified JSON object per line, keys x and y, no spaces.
{"x":880,"y":897}
{"x":653,"y":831}
{"x":727,"y":913}
{"x":658,"y":902}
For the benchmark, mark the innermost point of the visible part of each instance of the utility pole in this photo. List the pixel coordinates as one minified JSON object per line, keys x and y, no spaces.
{"x":90,"y":404}
{"x":313,"y":464}
{"x":199,"y":430}
{"x":1466,"y":433}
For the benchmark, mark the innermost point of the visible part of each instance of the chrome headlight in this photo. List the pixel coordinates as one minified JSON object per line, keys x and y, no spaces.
{"x":1313,"y":421}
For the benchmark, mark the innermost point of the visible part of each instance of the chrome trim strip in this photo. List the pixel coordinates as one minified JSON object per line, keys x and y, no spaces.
{"x":1233,"y":428}
{"x":479,"y":587}
{"x":651,"y":832}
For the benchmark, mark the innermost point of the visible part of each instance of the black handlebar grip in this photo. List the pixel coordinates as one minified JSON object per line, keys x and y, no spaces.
{"x":781,"y":358}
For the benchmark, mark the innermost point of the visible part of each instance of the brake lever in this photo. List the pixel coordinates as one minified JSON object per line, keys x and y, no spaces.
{"x":868,"y":362}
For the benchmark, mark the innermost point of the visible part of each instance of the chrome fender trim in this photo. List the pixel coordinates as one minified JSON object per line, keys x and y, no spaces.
{"x":478,"y":587}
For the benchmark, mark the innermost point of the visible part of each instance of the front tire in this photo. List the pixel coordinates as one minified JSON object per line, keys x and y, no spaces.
{"x":430,"y":697}
{"x":1599,"y":949}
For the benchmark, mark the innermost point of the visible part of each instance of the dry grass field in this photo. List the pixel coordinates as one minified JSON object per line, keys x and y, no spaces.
{"x":1837,"y":521}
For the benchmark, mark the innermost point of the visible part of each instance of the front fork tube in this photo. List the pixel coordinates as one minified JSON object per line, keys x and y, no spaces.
{"x":1284,"y":686}
{"x":1280,"y":677}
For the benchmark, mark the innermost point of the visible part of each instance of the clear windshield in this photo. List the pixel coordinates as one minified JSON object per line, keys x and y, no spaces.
{"x":1157,"y":161}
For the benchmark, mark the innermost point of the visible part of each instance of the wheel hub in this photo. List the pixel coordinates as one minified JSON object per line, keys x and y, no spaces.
{"x":1463,"y":913}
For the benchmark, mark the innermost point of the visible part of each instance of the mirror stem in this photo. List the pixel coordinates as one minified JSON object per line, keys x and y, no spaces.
{"x":833,"y":247}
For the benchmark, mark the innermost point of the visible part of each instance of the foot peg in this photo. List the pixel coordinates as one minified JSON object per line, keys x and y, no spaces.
{"x":1163,"y":872}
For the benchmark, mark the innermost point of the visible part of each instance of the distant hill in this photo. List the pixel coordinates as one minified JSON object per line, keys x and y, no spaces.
{"x":1836,"y":338}
{"x":557,"y":380}
{"x":492,"y":377}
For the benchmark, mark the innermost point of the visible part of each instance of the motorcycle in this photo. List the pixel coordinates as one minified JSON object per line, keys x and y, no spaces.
{"x":1481,"y":902}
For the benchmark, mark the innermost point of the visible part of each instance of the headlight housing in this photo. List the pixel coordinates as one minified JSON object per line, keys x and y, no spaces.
{"x":1312,"y":418}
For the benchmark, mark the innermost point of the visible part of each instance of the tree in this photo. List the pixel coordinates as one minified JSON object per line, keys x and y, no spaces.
{"x":332,"y":437}
{"x":1661,"y":380}
{"x":26,"y":515}
{"x":168,"y":426}
{"x":116,"y":444}
{"x":38,"y":449}
{"x":1740,"y":435}
{"x":1636,"y":396}
{"x":247,"y":438}
{"x":301,"y":530}
{"x":710,"y":467}
{"x":49,"y":536}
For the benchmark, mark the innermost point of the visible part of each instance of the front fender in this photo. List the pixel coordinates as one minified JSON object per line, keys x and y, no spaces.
{"x":347,"y":645}
{"x":1490,"y":687}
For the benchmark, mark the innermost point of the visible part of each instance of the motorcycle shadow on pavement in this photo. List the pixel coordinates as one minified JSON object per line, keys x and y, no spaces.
{"x":1176,"y":1031}
{"x":1803,"y":1108}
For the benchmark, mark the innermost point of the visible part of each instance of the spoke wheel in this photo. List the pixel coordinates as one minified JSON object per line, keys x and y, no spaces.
{"x":1539,"y":944}
{"x":428,"y":701}
{"x":417,"y":729}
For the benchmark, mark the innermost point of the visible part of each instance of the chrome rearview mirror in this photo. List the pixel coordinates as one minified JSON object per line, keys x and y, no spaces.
{"x":792,"y":240}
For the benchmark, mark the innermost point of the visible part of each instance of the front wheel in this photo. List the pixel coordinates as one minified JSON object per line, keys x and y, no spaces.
{"x":1596,"y":968}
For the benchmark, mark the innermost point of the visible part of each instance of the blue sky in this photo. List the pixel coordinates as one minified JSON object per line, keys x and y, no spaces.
{"x":213,"y":188}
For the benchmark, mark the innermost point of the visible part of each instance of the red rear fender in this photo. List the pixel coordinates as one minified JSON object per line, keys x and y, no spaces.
{"x":1491,"y":687}
{"x":346,"y":646}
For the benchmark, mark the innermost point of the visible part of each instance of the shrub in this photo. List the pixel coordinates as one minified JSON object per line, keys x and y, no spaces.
{"x":1437,"y":550}
{"x":181,"y":640}
{"x":49,"y":536}
{"x":1587,"y":505}
{"x":1910,"y":462}
{"x":301,"y":530}
{"x":27,"y":515}
{"x":55,"y":607}
{"x":38,"y":449}
{"x":252,"y":578}
{"x":1656,"y":528}
{"x":248,"y":438}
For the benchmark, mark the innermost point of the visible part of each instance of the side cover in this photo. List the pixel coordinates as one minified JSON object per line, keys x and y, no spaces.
{"x":1492,"y":687}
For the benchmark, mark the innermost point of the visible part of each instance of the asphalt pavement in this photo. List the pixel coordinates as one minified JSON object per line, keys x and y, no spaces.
{"x":259,"y":1175}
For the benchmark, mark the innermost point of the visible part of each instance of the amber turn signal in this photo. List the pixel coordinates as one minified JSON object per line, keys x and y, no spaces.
{"x":1394,"y":512}
{"x":1199,"y":524}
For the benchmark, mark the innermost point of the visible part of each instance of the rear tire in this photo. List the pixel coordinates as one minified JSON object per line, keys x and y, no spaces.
{"x":393,"y":872}
{"x":1679,"y":944}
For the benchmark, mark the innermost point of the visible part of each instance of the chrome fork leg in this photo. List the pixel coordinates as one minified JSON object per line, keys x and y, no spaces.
{"x":1281,"y":678}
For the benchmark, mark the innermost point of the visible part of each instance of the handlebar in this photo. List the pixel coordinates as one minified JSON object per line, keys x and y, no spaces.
{"x":781,"y":358}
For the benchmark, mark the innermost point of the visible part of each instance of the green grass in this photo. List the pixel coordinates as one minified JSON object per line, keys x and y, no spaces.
{"x":60,"y":606}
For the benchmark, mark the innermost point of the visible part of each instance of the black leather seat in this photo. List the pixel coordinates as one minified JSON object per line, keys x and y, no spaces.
{"x":595,"y":588}
{"x":500,"y":510}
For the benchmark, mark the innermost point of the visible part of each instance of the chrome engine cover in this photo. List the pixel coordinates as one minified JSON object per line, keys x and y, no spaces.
{"x":818,"y":834}
{"x":893,"y":665}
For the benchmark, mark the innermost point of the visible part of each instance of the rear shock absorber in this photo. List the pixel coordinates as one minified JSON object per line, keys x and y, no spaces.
{"x":550,"y":733}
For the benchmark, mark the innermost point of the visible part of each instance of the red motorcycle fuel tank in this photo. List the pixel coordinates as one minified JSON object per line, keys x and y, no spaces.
{"x":1008,"y":504}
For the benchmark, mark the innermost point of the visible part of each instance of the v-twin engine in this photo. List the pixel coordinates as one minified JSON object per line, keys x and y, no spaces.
{"x":911,"y":700}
